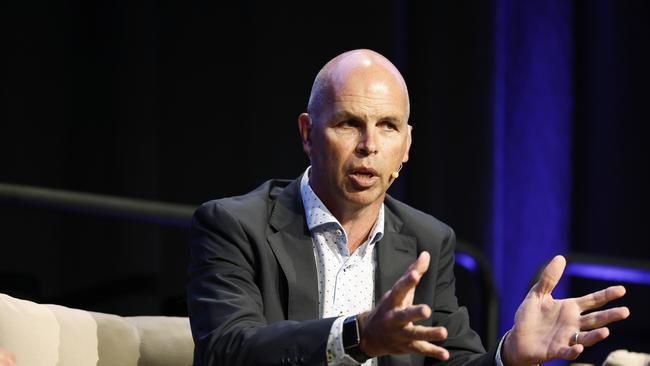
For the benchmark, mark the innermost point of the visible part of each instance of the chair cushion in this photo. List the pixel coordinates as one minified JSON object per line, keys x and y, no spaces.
{"x":77,"y":336}
{"x":166,"y":341}
{"x":118,"y":341}
{"x":29,"y":330}
{"x":54,"y":335}
{"x":623,"y":357}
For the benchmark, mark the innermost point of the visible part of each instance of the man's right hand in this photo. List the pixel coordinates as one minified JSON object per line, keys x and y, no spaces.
{"x":389,"y":328}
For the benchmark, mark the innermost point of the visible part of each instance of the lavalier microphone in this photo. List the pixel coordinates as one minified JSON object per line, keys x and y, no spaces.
{"x":396,"y":173}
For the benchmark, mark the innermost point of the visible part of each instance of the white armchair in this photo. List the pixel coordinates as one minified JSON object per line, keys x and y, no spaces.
{"x":49,"y":335}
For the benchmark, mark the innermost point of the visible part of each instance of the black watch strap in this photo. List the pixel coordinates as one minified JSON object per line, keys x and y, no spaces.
{"x":352,"y":340}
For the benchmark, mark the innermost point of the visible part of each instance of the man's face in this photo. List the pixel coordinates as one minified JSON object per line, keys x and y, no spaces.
{"x":359,"y":138}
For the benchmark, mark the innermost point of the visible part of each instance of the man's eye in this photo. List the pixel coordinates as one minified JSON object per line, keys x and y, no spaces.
{"x":346,"y":123}
{"x":389,"y":125}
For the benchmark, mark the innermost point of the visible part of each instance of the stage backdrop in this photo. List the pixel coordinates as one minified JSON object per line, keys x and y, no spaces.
{"x":530,"y":127}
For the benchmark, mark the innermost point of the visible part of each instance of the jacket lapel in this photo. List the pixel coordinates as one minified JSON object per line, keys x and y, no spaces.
{"x":291,"y":243}
{"x":395,"y":253}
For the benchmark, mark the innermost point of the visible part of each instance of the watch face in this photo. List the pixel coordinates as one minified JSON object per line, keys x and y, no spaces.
{"x":350,"y":332}
{"x":352,"y":340}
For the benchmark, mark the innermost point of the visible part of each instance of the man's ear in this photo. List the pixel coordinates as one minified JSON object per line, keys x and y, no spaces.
{"x":304,"y":125}
{"x":409,"y":139}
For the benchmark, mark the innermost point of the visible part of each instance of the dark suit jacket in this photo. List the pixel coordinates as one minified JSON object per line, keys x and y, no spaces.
{"x":253,"y":291}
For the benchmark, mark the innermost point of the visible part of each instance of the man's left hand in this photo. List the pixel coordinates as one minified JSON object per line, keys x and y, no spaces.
{"x":545,"y":328}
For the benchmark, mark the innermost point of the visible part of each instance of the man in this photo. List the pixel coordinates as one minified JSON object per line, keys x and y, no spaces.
{"x":328,"y":269}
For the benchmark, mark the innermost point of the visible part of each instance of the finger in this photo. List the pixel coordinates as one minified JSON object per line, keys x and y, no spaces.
{"x":410,"y":279}
{"x":422,"y":263}
{"x":600,"y":298}
{"x":7,"y":356}
{"x":570,"y":352}
{"x":429,"y":350}
{"x":424,"y":333}
{"x":550,"y":276}
{"x":601,"y":318}
{"x":592,"y":337}
{"x":401,"y":288}
{"x":411,"y":314}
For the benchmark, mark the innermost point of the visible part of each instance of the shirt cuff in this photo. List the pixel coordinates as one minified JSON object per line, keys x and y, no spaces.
{"x":497,"y":357}
{"x":336,"y":355}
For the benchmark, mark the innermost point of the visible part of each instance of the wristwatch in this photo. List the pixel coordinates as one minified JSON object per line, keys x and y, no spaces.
{"x":352,"y":340}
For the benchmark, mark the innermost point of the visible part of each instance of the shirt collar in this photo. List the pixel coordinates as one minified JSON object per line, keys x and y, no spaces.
{"x":317,"y":215}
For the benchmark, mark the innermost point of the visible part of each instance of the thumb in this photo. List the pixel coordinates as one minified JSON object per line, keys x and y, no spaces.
{"x":550,"y":276}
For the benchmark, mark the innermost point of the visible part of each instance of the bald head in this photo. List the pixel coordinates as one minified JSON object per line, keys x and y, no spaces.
{"x":356,"y":132}
{"x":359,"y":67}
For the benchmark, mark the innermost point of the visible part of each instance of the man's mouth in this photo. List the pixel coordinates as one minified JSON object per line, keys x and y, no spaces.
{"x":365,"y":171}
{"x":364,"y":177}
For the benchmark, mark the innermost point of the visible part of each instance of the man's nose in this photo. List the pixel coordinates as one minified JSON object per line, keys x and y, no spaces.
{"x":367,"y":144}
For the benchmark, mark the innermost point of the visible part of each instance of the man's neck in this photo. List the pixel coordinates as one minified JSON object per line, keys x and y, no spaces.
{"x":357,"y":221}
{"x":359,"y":225}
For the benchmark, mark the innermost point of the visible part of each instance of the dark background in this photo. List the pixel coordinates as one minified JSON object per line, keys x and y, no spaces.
{"x":189,"y":101}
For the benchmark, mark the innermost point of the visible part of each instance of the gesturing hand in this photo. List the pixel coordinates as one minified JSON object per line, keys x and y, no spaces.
{"x":389,"y":328}
{"x":545,"y":328}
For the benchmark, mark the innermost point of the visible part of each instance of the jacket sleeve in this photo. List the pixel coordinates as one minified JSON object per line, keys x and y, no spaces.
{"x":463,"y":344}
{"x":225,"y":304}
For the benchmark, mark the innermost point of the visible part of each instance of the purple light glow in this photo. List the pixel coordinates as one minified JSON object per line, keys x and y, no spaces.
{"x":466,"y":262}
{"x":531,"y":142}
{"x":608,"y":273}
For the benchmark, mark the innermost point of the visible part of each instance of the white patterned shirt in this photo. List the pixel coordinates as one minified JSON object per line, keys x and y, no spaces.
{"x":346,"y":281}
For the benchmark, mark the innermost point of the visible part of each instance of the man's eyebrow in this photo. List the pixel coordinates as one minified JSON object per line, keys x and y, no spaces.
{"x":345,"y":115}
{"x":342,"y":115}
{"x":392,"y":119}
